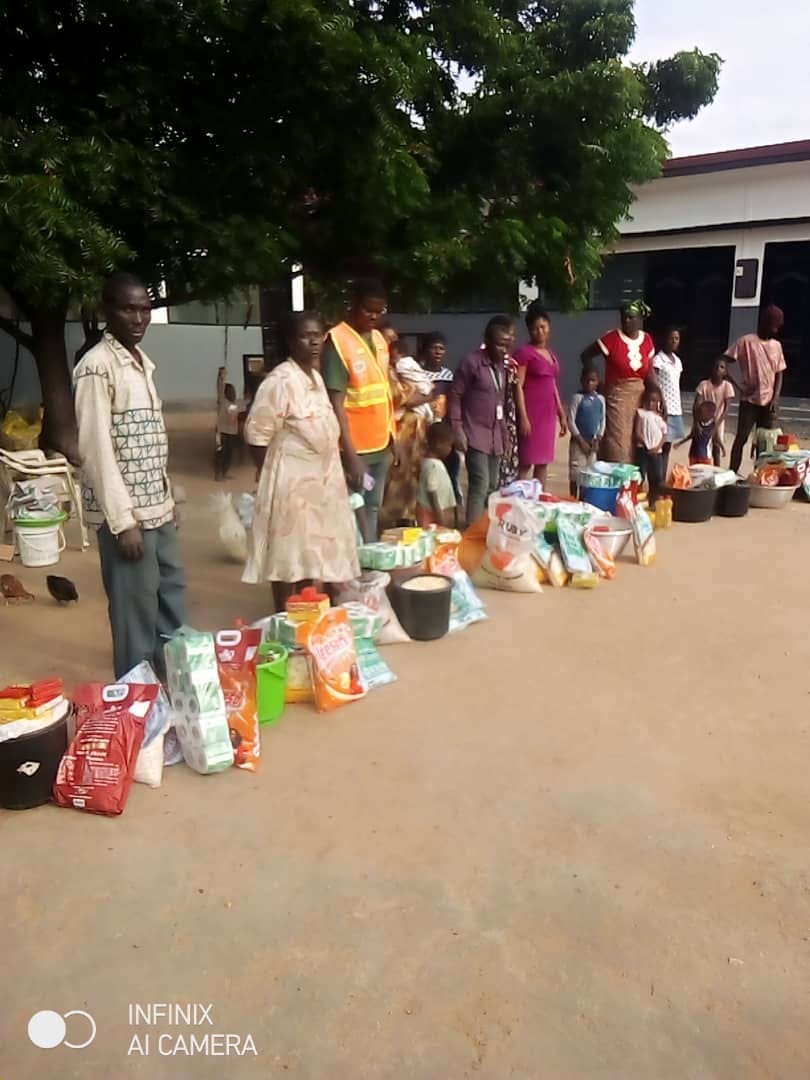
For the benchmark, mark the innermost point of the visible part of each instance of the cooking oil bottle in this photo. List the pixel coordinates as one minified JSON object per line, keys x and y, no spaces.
{"x":663,"y":512}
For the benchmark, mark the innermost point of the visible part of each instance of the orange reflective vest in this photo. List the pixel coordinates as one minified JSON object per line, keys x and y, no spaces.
{"x":368,"y":403}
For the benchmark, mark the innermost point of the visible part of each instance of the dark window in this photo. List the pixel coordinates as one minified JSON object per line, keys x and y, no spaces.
{"x":621,"y":281}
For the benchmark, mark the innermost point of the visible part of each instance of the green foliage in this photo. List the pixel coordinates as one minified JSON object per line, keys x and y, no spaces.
{"x":210,"y":143}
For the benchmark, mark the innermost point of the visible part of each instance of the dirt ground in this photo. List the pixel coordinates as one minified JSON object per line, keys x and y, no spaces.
{"x":568,"y":843}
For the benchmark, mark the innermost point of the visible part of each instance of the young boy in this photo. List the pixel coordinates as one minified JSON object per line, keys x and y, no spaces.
{"x":435,"y":498}
{"x":719,"y":389}
{"x":704,"y":447}
{"x":586,"y":422}
{"x":227,"y":432}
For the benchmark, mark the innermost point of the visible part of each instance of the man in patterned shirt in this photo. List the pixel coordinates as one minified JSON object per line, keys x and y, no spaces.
{"x":125,"y":488}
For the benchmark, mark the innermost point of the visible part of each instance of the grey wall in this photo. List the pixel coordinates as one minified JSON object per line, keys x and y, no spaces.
{"x":187,"y":358}
{"x":743,"y":321}
{"x":570,"y":335}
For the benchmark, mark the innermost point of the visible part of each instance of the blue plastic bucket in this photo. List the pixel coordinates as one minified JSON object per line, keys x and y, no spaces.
{"x":601,"y":498}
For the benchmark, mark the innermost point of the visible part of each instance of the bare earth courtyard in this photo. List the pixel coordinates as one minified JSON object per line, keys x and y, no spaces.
{"x":570,"y":842}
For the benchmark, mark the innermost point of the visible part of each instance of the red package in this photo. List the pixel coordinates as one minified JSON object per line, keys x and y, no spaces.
{"x":237,"y":652}
{"x":97,"y":771}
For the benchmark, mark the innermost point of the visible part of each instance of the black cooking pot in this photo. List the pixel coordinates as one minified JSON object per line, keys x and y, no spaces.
{"x":692,"y":505}
{"x":422,"y":605}
{"x":733,"y":500}
{"x":28,"y":766}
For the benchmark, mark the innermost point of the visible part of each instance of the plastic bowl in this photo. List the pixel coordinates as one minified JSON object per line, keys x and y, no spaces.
{"x":733,"y":500}
{"x":691,"y":505}
{"x":614,"y":537}
{"x":601,"y":498}
{"x":771,"y":498}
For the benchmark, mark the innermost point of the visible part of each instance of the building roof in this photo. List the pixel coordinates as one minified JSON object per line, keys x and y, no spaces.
{"x":776,"y":154}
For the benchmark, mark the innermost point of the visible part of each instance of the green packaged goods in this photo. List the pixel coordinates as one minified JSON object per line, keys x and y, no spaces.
{"x":365,"y":623}
{"x":371,"y":667}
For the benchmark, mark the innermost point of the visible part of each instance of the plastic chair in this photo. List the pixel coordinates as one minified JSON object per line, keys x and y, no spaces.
{"x":31,"y":464}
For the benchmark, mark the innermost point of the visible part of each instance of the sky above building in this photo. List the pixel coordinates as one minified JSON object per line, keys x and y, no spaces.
{"x":765,"y":81}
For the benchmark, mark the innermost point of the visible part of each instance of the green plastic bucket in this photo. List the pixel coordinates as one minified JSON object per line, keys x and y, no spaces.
{"x":271,"y":682}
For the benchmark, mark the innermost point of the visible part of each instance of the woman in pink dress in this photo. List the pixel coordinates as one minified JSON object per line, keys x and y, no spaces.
{"x":538,"y":399}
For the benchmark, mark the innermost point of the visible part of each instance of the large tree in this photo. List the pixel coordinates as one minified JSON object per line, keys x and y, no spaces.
{"x":210,"y":143}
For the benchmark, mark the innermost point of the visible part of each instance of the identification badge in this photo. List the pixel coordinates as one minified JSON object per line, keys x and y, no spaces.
{"x":499,"y":412}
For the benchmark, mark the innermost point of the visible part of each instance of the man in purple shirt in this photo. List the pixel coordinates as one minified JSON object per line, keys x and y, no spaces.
{"x":476,"y":403}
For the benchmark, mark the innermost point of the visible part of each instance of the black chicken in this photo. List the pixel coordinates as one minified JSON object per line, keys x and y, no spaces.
{"x":61,"y":589}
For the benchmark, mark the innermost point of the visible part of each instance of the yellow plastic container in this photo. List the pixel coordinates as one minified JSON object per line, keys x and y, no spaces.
{"x":663,"y":513}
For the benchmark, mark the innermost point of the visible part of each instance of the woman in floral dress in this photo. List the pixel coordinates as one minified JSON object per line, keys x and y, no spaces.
{"x":304,"y":530}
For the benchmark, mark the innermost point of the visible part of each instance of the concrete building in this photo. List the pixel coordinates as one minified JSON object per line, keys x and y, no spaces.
{"x":708,"y":242}
{"x":712,"y":239}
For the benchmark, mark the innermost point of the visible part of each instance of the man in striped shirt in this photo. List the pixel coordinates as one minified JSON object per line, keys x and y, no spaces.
{"x":125,"y":487}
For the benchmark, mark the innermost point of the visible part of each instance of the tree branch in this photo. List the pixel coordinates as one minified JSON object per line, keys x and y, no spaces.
{"x":19,"y":335}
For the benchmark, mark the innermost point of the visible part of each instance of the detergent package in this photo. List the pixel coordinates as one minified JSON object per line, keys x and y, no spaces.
{"x":98,"y":769}
{"x":335,"y":672}
{"x":237,"y":653}
{"x":575,"y":556}
{"x":195,"y":692}
{"x":604,"y":563}
{"x":373,"y":670}
{"x":643,"y":537}
{"x":465,"y":606}
{"x":550,"y":562}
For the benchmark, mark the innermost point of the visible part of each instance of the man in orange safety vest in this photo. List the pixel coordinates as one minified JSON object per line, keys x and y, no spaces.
{"x":354,"y":366}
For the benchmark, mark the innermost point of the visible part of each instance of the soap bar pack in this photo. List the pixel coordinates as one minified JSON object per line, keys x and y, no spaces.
{"x":292,"y":635}
{"x":200,"y":717}
{"x":377,"y":556}
{"x":365,"y":622}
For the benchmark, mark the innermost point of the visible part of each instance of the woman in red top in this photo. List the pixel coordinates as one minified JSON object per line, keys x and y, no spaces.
{"x":628,"y":354}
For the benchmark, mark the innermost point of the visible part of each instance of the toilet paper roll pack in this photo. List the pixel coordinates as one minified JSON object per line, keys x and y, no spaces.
{"x":200,"y":716}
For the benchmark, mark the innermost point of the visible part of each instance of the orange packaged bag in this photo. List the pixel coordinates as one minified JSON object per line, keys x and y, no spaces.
{"x":473,"y":546}
{"x":335,"y":674}
{"x":237,"y":652}
{"x":602,"y":560}
{"x":680,"y":478}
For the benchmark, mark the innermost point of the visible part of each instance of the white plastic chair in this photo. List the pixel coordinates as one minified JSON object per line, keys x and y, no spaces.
{"x":30,"y":464}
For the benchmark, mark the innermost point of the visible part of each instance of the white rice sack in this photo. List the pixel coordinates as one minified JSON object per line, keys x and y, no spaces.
{"x":149,"y":762}
{"x":520,"y":576}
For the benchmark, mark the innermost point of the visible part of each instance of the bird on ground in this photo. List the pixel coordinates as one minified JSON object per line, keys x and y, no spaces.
{"x":13,"y":589}
{"x":61,"y":589}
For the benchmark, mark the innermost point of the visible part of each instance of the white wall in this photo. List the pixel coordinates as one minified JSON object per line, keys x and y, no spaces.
{"x":734,"y":197}
{"x":760,"y":193}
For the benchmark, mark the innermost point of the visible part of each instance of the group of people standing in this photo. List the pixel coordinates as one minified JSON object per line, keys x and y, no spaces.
{"x":644,"y":412}
{"x":352,"y":436}
{"x":390,"y":429}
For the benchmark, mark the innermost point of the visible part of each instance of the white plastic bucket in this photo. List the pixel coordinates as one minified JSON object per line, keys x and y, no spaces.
{"x":39,"y":542}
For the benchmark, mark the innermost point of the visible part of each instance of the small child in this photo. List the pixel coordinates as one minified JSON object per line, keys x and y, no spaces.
{"x":586,"y":422}
{"x":719,"y":389}
{"x":649,"y":436}
{"x":227,"y":432}
{"x":435,"y":498}
{"x":703,"y":440}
